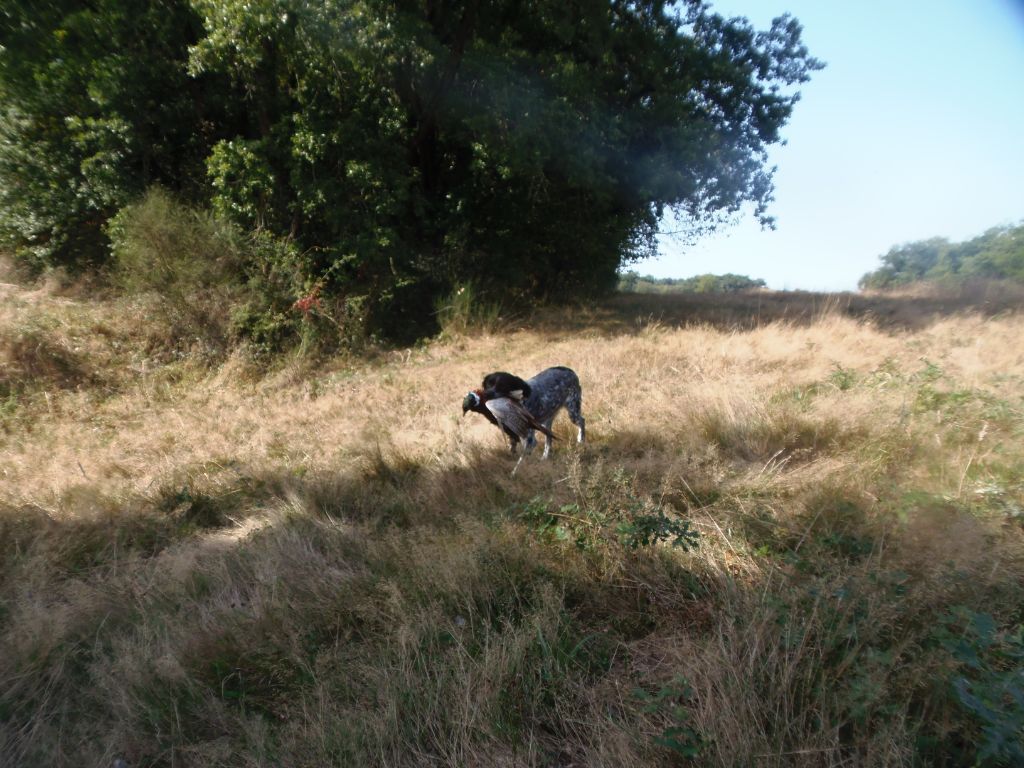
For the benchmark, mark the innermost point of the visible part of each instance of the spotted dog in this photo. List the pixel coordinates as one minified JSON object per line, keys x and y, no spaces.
{"x":543,"y":395}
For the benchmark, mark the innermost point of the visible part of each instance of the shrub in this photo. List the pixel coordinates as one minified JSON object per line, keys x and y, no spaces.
{"x":214,"y":285}
{"x":988,"y":683}
{"x":668,"y":704}
{"x":190,"y":261}
{"x":464,"y":311}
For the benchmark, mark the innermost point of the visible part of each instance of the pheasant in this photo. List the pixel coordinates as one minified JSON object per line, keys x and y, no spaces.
{"x":507,"y":412}
{"x":499,"y":384}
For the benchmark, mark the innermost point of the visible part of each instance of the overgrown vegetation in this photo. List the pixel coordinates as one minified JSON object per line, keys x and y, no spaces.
{"x":402,"y":150}
{"x":998,"y":254}
{"x":214,"y":288}
{"x":794,"y":538}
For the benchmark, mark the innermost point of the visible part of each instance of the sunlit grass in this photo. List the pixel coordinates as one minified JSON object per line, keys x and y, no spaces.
{"x":325,"y":563}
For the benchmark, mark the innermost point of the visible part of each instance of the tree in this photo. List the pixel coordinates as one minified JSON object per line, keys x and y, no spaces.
{"x":631,"y":281}
{"x":409,"y":146}
{"x":96,"y":106}
{"x":997,"y":254}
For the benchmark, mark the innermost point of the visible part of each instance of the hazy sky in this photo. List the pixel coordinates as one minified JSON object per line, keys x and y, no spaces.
{"x":914,"y":129}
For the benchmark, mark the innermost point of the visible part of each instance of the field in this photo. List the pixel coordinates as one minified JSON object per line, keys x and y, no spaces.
{"x":795,"y":537}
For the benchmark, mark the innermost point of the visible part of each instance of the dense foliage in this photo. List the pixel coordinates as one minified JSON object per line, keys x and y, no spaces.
{"x":405,"y":148}
{"x":95,"y":106}
{"x":996,"y":255}
{"x":634,"y":282}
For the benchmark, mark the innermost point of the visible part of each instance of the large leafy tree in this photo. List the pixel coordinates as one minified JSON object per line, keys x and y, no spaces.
{"x":528,"y":147}
{"x":95,"y":105}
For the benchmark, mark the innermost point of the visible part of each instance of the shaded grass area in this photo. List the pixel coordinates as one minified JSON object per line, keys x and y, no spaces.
{"x":409,"y":613}
{"x":322,"y":640}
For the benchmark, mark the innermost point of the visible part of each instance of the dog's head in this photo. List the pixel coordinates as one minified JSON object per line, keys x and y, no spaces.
{"x":507,"y":384}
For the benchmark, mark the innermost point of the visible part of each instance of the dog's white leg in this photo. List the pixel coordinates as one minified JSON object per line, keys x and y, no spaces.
{"x":574,"y":406}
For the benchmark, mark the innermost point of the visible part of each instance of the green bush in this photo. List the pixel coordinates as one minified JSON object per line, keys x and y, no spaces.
{"x":406,"y":149}
{"x":988,"y":684}
{"x":216,"y":286}
{"x":188,"y":260}
{"x":668,"y":704}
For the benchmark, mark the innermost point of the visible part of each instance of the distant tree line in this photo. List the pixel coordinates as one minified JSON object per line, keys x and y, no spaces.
{"x":633,"y":282}
{"x":998,"y":254}
{"x":395,"y":150}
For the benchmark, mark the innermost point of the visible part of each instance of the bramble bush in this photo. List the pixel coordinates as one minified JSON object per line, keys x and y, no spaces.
{"x":215,"y":285}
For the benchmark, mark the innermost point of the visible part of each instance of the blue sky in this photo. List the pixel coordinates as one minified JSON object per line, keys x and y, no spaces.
{"x":914,"y":129}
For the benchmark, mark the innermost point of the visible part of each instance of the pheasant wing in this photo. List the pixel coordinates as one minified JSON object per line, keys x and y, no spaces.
{"x":511,"y":415}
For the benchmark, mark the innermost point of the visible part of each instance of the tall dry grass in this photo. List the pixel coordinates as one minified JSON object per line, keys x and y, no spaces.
{"x":324,"y":564}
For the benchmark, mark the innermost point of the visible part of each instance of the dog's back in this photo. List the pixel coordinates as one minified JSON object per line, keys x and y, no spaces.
{"x":550,"y":391}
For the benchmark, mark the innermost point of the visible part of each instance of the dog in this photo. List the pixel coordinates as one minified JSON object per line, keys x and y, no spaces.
{"x":544,"y":396}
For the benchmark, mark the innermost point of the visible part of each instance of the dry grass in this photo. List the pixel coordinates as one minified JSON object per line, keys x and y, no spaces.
{"x":324,"y":564}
